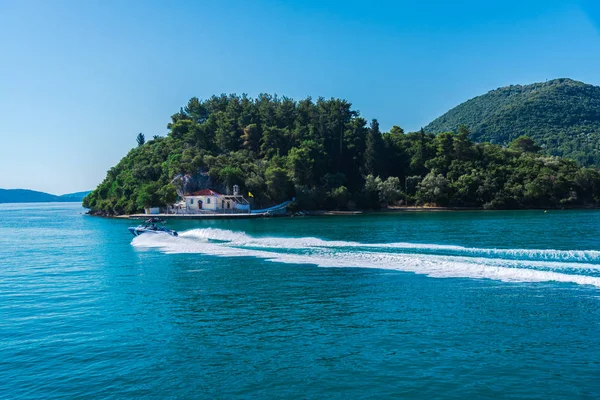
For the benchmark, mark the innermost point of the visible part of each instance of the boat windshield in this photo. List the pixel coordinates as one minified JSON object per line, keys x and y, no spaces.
{"x":152,"y":223}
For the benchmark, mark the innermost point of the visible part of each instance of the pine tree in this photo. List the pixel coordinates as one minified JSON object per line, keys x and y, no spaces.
{"x":141,"y":139}
{"x":371,"y":165}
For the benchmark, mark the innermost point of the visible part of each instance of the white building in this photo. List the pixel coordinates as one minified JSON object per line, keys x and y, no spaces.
{"x":208,"y":200}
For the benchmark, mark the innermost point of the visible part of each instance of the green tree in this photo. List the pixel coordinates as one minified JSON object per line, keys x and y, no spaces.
{"x":226,"y":136}
{"x":141,"y":139}
{"x":230,"y":176}
{"x":411,"y":184}
{"x":419,"y":151}
{"x":251,"y":137}
{"x":389,"y":190}
{"x":462,"y":144}
{"x":396,"y":130}
{"x":371,"y":165}
{"x":279,"y":187}
{"x":148,"y":195}
{"x":524,"y":144}
{"x":305,"y":163}
{"x":434,"y":189}
{"x":369,"y":197}
{"x":196,"y":110}
{"x":338,"y":197}
{"x":275,"y":141}
{"x":167,"y":194}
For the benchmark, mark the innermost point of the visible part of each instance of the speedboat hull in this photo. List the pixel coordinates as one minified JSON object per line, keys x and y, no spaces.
{"x":137,"y":231}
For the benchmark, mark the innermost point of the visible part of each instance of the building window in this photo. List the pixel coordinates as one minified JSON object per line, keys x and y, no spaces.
{"x":191,"y":201}
{"x":208,"y":200}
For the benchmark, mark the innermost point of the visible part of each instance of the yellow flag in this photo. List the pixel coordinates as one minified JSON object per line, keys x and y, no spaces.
{"x":250,"y":194}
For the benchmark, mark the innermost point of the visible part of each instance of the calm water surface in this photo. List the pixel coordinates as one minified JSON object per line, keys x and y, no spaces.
{"x":424,"y":305}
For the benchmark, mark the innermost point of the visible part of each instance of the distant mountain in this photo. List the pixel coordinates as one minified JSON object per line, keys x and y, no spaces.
{"x":75,"y":197}
{"x":561,"y":115}
{"x":32,"y":196}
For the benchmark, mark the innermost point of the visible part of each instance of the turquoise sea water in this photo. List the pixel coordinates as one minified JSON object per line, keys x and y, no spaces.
{"x":416,"y":305}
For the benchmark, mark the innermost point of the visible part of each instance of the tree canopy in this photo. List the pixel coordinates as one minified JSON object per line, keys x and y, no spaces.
{"x":141,"y":139}
{"x":562,"y":116}
{"x":327,"y":156}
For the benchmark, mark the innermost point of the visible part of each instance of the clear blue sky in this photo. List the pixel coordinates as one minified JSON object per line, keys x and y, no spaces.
{"x":80,"y":79}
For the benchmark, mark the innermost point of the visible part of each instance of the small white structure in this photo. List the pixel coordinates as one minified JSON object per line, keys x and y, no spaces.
{"x":152,"y":210}
{"x":177,"y":208}
{"x":208,"y":200}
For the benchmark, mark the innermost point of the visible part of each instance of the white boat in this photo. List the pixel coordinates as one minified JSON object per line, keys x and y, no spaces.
{"x":152,"y":226}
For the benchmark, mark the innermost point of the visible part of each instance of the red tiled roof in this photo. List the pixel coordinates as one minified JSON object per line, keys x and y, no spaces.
{"x":204,"y":192}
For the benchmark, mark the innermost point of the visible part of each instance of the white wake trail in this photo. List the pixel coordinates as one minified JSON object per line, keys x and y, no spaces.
{"x":242,"y":239}
{"x":224,"y":243}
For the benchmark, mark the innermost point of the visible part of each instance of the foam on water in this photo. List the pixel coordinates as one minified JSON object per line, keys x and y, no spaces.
{"x":440,"y":261}
{"x":242,"y":239}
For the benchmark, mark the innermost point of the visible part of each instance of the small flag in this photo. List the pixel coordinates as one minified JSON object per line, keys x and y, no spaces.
{"x":250,"y":194}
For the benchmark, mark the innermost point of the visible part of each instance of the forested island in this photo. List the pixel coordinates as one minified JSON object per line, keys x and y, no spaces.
{"x":326,"y":156}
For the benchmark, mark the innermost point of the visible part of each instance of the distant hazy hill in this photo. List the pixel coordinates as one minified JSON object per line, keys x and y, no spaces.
{"x":562,"y":115}
{"x":31,"y":196}
{"x":75,"y":197}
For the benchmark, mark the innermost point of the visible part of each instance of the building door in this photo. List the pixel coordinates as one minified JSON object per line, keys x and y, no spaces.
{"x":199,"y":204}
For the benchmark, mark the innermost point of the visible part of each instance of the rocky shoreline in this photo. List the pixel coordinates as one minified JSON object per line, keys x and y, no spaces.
{"x":316,"y":213}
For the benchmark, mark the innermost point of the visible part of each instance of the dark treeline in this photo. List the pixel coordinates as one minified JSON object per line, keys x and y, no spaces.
{"x":327,"y":156}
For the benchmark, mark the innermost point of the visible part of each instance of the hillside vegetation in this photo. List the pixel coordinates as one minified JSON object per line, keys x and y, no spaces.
{"x":562,"y":116}
{"x":327,"y":156}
